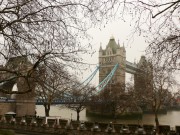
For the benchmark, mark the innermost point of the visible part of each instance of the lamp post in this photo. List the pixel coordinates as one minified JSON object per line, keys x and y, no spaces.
{"x":71,"y":116}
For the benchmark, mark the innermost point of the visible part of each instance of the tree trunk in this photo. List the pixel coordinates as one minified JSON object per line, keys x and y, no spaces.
{"x":157,"y":122}
{"x":78,"y":116}
{"x":114,"y":110}
{"x":47,"y":109}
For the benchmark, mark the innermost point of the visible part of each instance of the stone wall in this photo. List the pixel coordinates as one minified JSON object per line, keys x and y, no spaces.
{"x":25,"y":107}
{"x":7,"y":107}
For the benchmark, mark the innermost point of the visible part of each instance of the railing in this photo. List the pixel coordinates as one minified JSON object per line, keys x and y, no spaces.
{"x":131,"y":67}
{"x":87,"y":102}
{"x":42,"y":125}
{"x":58,"y":101}
{"x":7,"y":100}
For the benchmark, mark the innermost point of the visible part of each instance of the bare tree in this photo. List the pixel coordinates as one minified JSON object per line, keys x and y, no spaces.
{"x":80,"y":97}
{"x":47,"y":31}
{"x":155,"y":89}
{"x":158,"y":22}
{"x":121,"y":101}
{"x":50,"y":83}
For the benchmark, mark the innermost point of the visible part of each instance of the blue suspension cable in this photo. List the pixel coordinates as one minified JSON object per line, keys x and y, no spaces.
{"x":90,"y":77}
{"x":86,"y":82}
{"x":103,"y":83}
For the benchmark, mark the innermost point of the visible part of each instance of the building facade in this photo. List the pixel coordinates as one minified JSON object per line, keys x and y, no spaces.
{"x":110,"y":56}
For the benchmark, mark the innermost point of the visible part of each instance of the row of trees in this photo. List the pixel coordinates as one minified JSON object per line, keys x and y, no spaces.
{"x":153,"y":91}
{"x":48,"y":32}
{"x":158,"y":22}
{"x":156,"y":89}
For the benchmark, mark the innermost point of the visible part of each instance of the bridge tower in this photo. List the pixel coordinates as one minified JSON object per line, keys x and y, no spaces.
{"x":25,"y":103}
{"x":143,"y":79}
{"x":108,"y":58}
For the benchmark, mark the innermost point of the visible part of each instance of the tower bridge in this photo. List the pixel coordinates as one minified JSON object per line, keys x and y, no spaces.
{"x":112,"y":68}
{"x":112,"y":54}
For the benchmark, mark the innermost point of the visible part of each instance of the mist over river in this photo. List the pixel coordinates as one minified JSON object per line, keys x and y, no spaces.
{"x":172,"y":118}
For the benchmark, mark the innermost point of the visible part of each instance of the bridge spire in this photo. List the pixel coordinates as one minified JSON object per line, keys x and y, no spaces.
{"x":100,"y":49}
{"x":118,"y":45}
{"x":123,"y":47}
{"x":112,"y":37}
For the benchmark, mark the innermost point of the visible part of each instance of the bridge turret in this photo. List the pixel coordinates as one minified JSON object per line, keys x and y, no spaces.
{"x":118,"y":49}
{"x":124,"y":50}
{"x":100,"y":54}
{"x":100,"y":48}
{"x":111,"y":47}
{"x":121,"y":59}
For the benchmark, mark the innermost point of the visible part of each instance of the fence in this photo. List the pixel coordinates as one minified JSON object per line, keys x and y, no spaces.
{"x":41,"y":125}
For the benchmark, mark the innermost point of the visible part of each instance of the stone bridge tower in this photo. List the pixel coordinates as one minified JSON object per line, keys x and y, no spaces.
{"x":25,"y":103}
{"x":108,"y":58}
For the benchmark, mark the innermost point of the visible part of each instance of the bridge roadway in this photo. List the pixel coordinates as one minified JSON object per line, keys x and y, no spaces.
{"x":62,"y":101}
{"x":55,"y":102}
{"x":131,"y":68}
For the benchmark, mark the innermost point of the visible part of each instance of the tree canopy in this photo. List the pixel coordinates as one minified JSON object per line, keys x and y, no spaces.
{"x":50,"y":31}
{"x":47,"y":32}
{"x":158,"y":22}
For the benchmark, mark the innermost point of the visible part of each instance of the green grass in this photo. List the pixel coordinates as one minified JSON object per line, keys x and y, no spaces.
{"x":6,"y":132}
